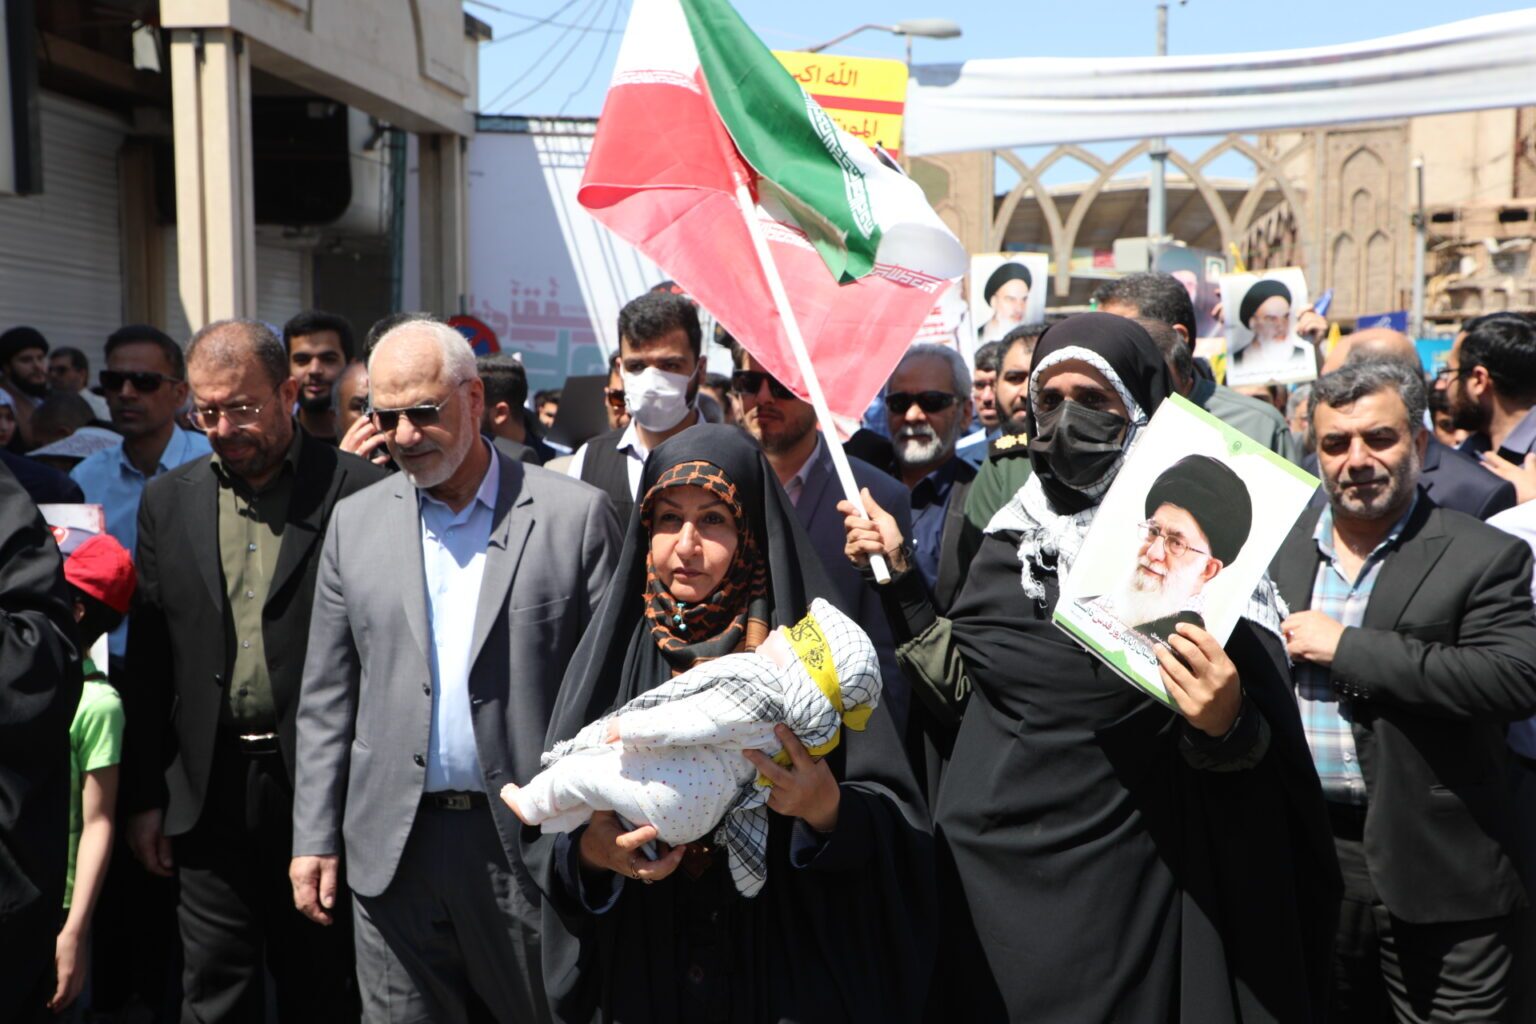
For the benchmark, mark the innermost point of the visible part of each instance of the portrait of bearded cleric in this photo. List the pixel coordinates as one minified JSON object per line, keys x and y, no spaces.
{"x":1198,"y":514}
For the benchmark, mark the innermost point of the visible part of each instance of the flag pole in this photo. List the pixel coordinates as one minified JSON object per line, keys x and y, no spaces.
{"x":803,"y":360}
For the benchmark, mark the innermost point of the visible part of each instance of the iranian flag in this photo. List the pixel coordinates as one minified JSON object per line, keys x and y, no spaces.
{"x":698,"y":106}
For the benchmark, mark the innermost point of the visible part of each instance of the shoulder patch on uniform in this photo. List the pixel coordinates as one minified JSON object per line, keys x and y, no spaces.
{"x":1008,"y":445}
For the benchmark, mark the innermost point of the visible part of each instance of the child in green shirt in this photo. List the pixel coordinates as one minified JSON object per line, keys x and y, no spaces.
{"x":101,"y":581}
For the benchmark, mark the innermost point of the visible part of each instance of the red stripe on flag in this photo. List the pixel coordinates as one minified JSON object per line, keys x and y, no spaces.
{"x":863,"y":106}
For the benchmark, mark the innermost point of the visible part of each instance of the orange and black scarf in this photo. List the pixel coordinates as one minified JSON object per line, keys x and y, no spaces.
{"x":735,"y":617}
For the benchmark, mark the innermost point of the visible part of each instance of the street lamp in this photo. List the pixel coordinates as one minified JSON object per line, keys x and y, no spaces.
{"x":928,"y":28}
{"x":1157,"y":190}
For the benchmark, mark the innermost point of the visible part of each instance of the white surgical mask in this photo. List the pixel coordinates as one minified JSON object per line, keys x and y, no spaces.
{"x":657,"y":400}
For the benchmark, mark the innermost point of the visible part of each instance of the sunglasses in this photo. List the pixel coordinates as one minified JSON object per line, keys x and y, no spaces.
{"x":750,"y":382}
{"x":386,"y":420}
{"x":899,"y":402}
{"x":615,"y":398}
{"x":143,"y":381}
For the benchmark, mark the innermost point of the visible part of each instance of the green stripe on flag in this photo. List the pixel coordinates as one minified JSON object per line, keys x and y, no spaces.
{"x":787,"y":139}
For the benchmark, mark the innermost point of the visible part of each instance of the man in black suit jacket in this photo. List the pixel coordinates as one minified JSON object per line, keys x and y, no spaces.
{"x":39,"y":689}
{"x":227,"y":554}
{"x":1415,"y":645}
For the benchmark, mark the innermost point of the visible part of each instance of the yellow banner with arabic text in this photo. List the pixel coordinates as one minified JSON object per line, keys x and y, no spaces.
{"x":866,"y":96}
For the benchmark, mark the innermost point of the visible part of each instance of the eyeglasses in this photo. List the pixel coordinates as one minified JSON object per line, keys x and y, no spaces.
{"x":750,"y":382}
{"x":615,"y":398}
{"x":206,"y":417}
{"x":899,"y":402}
{"x":1173,"y":543}
{"x":1449,"y":373}
{"x":143,"y":381}
{"x":386,"y":420}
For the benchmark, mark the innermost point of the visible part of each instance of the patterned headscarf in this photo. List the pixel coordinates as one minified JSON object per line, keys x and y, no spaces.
{"x":735,"y":616}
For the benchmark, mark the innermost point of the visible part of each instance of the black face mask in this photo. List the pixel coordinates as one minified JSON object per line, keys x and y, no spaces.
{"x":1077,"y":444}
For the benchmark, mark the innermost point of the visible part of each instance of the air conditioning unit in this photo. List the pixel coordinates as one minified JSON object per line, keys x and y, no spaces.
{"x":319,"y":163}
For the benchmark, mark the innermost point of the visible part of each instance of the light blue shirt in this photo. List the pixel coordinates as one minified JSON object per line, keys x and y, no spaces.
{"x":453,"y":553}
{"x":111,"y":481}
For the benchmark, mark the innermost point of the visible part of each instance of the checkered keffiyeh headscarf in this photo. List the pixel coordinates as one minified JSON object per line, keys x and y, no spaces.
{"x":735,"y":616}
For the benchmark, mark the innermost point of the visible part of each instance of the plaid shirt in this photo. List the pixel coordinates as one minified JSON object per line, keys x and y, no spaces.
{"x":1326,"y":719}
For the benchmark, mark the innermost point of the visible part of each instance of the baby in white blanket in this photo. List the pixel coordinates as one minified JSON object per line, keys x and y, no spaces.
{"x":672,"y":757}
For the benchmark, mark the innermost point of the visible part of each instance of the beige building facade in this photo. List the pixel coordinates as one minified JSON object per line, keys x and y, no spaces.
{"x":202,"y":159}
{"x":1338,"y":201}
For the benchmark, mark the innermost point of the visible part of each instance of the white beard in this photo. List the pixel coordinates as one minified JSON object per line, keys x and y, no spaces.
{"x":921,"y":445}
{"x":1135,"y":605}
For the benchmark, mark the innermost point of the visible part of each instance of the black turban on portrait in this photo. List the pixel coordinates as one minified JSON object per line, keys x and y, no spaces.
{"x":1257,"y":296}
{"x":1214,"y":495}
{"x":18,"y":339}
{"x":1002,"y":275}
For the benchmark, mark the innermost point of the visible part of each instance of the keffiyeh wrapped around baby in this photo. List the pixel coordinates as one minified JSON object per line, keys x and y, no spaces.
{"x":672,"y":757}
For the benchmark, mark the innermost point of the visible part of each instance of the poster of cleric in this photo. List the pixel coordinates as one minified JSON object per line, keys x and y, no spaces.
{"x":1007,"y":291}
{"x":1185,"y":534}
{"x":1262,"y":344}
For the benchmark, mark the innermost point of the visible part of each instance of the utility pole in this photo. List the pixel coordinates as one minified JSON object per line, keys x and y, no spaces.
{"x":1420,"y":240}
{"x":1157,"y":191}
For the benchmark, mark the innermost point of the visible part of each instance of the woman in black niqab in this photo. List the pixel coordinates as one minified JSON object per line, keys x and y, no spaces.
{"x":843,"y":929}
{"x":1103,"y":859}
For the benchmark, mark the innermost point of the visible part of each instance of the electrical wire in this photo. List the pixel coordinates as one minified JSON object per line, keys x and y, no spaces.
{"x":538,"y":22}
{"x":598,"y":60}
{"x":596,"y":13}
{"x":537,"y":62}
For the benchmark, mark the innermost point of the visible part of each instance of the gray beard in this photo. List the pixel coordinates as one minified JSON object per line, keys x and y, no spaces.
{"x":922,"y":451}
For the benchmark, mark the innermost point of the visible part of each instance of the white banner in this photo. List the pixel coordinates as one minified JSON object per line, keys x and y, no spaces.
{"x":997,"y":104}
{"x":546,"y":277}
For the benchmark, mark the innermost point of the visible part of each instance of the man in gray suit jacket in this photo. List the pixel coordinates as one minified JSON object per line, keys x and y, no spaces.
{"x":449,"y":599}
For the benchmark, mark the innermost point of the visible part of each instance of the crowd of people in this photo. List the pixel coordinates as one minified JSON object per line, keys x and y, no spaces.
{"x":263,"y":739}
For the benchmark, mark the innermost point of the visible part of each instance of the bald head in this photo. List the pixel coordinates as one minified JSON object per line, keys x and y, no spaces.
{"x":422,"y":351}
{"x":1372,"y":343}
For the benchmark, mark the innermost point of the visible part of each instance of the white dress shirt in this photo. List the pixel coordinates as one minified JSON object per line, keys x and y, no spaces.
{"x":630,"y":444}
{"x":453,"y":548}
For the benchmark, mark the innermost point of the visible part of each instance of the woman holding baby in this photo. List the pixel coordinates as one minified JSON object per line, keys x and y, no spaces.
{"x":714,"y":560}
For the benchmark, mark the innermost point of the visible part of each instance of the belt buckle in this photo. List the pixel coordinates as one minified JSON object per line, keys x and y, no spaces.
{"x":454,"y":801}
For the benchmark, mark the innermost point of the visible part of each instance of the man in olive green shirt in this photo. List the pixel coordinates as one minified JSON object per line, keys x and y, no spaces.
{"x":227,"y":554}
{"x":1006,"y":466}
{"x":250,"y":537}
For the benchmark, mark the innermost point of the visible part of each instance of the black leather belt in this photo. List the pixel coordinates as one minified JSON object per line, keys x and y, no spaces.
{"x":454,"y":800}
{"x":257,"y":743}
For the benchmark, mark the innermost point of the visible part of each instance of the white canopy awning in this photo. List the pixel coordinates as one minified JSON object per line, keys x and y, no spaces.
{"x":998,"y":104}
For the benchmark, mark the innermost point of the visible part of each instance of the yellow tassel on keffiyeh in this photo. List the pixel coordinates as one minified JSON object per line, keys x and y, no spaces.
{"x":811,"y":647}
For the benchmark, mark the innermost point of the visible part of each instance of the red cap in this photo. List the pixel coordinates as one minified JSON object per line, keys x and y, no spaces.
{"x":102,"y":568}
